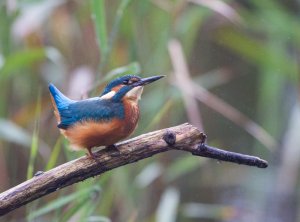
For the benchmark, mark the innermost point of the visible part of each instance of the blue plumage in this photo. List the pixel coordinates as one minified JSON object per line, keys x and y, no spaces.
{"x":60,"y":99}
{"x":118,"y":81}
{"x":119,"y":95}
{"x":95,"y":109}
{"x":101,"y":121}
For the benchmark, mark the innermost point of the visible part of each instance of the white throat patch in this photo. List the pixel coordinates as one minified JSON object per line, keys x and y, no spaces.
{"x":135,"y":93}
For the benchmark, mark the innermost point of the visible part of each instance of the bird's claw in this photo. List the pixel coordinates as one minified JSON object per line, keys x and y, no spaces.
{"x":90,"y":154}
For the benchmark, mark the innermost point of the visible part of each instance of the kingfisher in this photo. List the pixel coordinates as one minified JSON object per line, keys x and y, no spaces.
{"x":102,"y":120}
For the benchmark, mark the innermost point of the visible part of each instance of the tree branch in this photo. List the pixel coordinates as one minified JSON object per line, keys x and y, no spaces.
{"x":183,"y":137}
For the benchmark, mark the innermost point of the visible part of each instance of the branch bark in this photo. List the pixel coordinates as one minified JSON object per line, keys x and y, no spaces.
{"x":183,"y":137}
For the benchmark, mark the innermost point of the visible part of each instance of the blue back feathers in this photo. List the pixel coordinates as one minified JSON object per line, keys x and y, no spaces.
{"x":94,"y":109}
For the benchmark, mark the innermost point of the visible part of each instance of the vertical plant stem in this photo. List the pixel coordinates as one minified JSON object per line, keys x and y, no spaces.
{"x":116,"y":24}
{"x":34,"y":149}
{"x":99,"y":17}
{"x":35,"y":140}
{"x":54,"y":155}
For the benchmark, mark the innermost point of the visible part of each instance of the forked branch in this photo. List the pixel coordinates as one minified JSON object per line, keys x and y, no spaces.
{"x":183,"y":137}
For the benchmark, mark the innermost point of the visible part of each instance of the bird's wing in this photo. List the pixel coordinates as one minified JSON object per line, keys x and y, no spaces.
{"x":94,"y":109}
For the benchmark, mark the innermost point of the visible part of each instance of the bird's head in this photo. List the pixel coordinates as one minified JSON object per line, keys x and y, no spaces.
{"x":129,"y":86}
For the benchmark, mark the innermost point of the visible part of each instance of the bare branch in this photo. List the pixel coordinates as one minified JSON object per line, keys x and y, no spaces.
{"x":184,"y":137}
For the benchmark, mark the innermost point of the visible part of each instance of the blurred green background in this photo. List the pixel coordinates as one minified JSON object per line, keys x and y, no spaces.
{"x":232,"y":70}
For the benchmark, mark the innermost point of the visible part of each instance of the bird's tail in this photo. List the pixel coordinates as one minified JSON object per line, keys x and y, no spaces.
{"x":59,"y":101}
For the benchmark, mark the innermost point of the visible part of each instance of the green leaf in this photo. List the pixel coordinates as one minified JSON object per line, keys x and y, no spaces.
{"x":257,"y":52}
{"x":120,"y":12}
{"x":58,"y":203}
{"x":99,"y":17}
{"x":75,"y":208}
{"x":35,"y":141}
{"x":20,"y":60}
{"x":133,"y":68}
{"x":159,"y":116}
{"x":54,"y":155}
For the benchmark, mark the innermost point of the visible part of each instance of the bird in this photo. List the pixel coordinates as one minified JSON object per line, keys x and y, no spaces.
{"x":103,"y":120}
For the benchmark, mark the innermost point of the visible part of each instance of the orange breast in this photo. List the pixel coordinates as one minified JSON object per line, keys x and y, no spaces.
{"x":90,"y":134}
{"x":132,"y":114}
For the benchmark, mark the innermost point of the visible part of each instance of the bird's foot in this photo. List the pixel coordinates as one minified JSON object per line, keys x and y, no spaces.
{"x":90,"y":154}
{"x":114,"y":150}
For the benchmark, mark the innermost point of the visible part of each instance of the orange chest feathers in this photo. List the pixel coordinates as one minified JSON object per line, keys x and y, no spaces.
{"x":92,"y":134}
{"x":132,"y":114}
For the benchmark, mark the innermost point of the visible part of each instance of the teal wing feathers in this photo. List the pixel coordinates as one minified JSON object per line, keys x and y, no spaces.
{"x":94,"y":109}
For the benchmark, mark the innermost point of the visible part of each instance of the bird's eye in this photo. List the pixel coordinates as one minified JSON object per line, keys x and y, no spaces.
{"x":127,"y":82}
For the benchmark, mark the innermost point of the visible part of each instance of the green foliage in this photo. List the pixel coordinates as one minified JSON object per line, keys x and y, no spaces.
{"x":245,"y":54}
{"x":35,"y":141}
{"x":82,"y":195}
{"x":54,"y":154}
{"x":21,"y":60}
{"x":98,"y":14}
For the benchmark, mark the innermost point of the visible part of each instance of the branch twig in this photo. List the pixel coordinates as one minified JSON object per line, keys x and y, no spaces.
{"x":184,"y":137}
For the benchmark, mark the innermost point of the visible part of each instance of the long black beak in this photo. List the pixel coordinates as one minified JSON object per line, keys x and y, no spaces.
{"x":148,"y":80}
